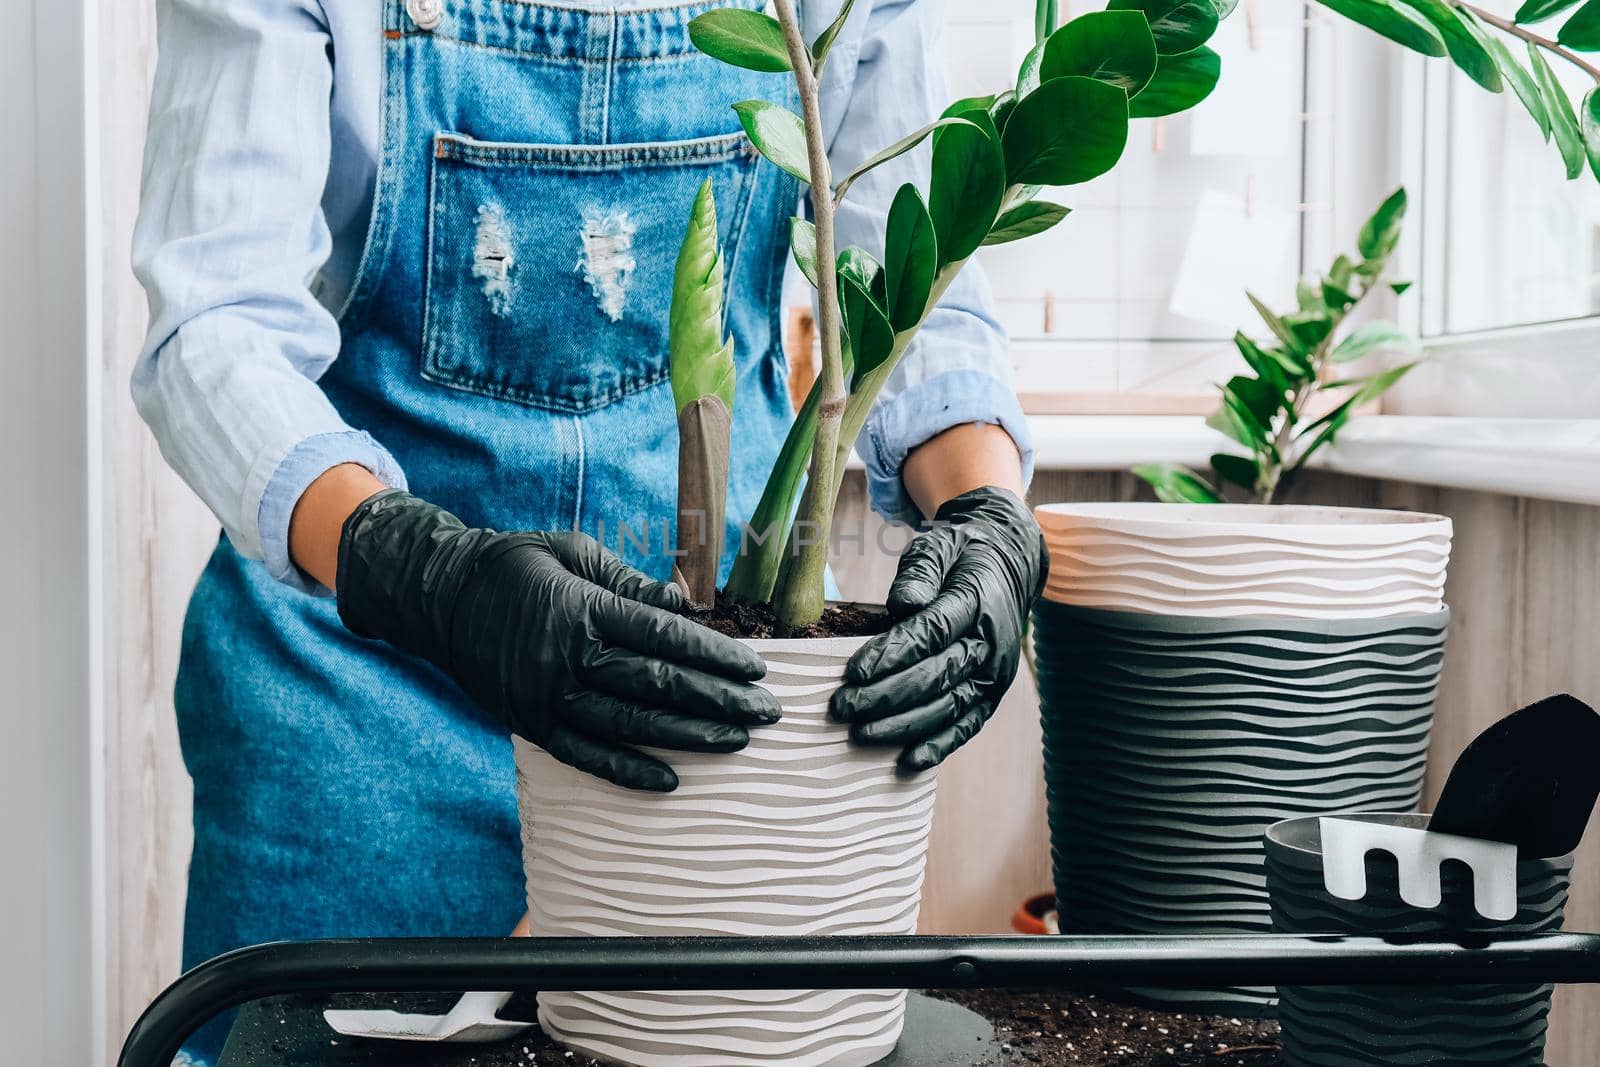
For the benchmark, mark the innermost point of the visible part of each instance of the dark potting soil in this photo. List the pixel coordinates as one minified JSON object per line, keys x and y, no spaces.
{"x":1055,"y":1028}
{"x":740,"y":619}
{"x":1049,"y":1028}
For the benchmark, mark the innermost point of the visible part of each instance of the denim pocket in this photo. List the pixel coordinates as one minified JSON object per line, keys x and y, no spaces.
{"x":549,"y":270}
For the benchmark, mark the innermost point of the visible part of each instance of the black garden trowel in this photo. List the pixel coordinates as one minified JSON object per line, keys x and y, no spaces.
{"x":1523,"y":790}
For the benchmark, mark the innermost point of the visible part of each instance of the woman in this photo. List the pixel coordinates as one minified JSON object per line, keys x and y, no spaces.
{"x":427,"y":245}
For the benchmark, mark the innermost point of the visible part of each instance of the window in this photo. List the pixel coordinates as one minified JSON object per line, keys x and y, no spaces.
{"x":1508,"y":261}
{"x":1131,"y":303}
{"x":1510,"y":241}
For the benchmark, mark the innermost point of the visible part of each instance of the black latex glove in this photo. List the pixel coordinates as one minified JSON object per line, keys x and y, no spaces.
{"x":568,"y":646}
{"x":962,"y":594}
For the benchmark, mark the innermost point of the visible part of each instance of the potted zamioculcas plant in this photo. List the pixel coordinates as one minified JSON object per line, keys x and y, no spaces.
{"x":1207,"y":669}
{"x":802,"y":832}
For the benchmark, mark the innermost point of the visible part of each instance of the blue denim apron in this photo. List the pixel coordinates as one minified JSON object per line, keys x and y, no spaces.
{"x":506,"y":339}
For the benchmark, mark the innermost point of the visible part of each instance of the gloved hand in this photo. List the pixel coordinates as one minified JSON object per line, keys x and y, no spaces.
{"x":962,"y":594}
{"x":568,"y":646}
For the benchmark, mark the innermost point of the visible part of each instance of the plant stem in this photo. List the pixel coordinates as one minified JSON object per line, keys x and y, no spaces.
{"x":801,"y":595}
{"x":1553,"y":47}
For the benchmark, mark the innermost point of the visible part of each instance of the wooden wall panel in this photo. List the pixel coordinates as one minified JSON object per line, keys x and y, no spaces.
{"x":156,"y":537}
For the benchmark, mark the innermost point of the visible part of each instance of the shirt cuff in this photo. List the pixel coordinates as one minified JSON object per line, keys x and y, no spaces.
{"x":925,"y":410}
{"x":305,"y":463}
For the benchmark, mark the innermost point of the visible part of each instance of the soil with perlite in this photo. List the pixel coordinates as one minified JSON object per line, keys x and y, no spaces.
{"x":1049,"y":1028}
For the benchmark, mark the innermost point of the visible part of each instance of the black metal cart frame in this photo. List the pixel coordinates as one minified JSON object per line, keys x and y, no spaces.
{"x":623,"y":963}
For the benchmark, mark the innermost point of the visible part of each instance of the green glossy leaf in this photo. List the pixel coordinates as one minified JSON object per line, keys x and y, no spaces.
{"x":1239,"y":470}
{"x":803,"y":243}
{"x":1067,"y":131}
{"x":1539,"y":10}
{"x":899,"y":148}
{"x":867,"y":328}
{"x":1270,"y":364}
{"x":1342,"y":271}
{"x":1025,"y":220}
{"x":1225,"y":421}
{"x":1399,"y":288}
{"x":825,"y":39}
{"x":700,"y":362}
{"x":1264,"y":399}
{"x":1279,"y":328}
{"x":1004,"y":105}
{"x":1581,"y":32}
{"x":1522,"y":83}
{"x":1563,"y":120}
{"x":856,"y":262}
{"x":969,"y":103}
{"x":777,"y":133}
{"x":1177,"y":485}
{"x":965,"y":191}
{"x":1028,"y":78}
{"x":1109,"y":46}
{"x":1336,"y":296}
{"x":1176,"y":25}
{"x":1372,"y":337}
{"x":1308,"y":294}
{"x":1399,"y":24}
{"x":741,"y":38}
{"x":1589,"y":124}
{"x":910,"y":258}
{"x":1380,"y":232}
{"x":1463,"y":42}
{"x":1179,"y":84}
{"x":1224,"y":7}
{"x":1258,"y":437}
{"x":1310,"y":328}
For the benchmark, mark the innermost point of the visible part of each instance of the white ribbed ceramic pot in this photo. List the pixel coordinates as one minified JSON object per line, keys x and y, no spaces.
{"x":799,"y":833}
{"x":1246,"y":560}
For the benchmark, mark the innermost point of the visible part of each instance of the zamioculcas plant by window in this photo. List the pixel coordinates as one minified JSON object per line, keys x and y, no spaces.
{"x":1485,"y":46}
{"x":1295,"y":371}
{"x":1063,"y":122}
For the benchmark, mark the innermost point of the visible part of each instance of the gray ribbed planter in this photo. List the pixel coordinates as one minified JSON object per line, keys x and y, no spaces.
{"x":1173,"y":742}
{"x":1350,"y":1027}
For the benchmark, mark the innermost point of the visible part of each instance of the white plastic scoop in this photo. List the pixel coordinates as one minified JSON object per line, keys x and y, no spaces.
{"x":474,"y":1019}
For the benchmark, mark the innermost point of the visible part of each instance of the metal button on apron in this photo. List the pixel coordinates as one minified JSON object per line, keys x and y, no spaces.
{"x":425,"y":13}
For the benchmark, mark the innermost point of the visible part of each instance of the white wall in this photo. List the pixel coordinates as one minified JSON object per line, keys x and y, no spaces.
{"x":51,"y":998}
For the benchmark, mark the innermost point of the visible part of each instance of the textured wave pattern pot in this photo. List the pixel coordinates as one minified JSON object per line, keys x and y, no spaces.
{"x":1173,"y":742}
{"x":1236,"y":561}
{"x":800,"y":833}
{"x":1350,"y":1027}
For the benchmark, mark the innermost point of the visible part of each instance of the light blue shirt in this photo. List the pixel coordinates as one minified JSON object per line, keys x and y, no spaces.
{"x":258,"y":183}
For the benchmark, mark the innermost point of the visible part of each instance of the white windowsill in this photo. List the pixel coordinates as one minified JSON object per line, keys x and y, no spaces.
{"x":1554,"y":459}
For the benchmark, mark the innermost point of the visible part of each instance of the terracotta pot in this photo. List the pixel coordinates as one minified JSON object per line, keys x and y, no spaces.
{"x":800,"y":833}
{"x":1036,"y":915}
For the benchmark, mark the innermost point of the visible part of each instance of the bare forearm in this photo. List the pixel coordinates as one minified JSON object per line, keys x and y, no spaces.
{"x":958,"y":460}
{"x":318,"y":518}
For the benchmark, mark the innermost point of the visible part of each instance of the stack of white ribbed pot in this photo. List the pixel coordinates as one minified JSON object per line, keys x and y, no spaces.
{"x":800,"y":833}
{"x":1208,"y":670}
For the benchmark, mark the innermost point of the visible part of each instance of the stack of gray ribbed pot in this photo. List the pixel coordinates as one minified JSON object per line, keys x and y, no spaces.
{"x":1343,"y":1026}
{"x":1206,"y":671}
